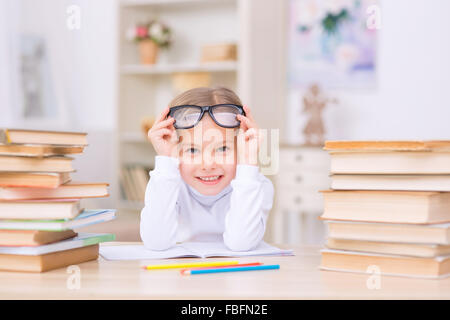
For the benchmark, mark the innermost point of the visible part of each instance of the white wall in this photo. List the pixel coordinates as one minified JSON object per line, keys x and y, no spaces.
{"x":8,"y":22}
{"x":412,"y":98}
{"x":83,"y":63}
{"x":83,"y":59}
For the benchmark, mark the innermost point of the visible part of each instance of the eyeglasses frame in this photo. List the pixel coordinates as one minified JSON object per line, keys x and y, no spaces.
{"x":208,"y":109}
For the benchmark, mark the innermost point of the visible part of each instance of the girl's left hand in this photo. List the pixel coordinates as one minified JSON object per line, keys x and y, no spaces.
{"x":248,"y":139}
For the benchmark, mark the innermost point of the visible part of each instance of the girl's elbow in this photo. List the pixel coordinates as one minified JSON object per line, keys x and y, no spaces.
{"x":157,"y":244}
{"x":239,"y":244}
{"x":154,"y":241}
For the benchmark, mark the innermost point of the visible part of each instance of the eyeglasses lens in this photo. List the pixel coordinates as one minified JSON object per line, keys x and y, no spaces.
{"x":226,"y":115}
{"x":186,"y":117}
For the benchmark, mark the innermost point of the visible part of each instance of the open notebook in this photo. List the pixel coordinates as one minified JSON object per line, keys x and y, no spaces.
{"x":187,"y":249}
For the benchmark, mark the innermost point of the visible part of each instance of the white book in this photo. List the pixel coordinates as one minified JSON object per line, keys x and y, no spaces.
{"x":187,"y":249}
{"x":405,"y":182}
{"x":81,"y":240}
{"x":40,"y":209}
{"x":385,"y":264}
{"x":390,"y":162}
{"x":434,"y":233}
{"x":86,"y":218}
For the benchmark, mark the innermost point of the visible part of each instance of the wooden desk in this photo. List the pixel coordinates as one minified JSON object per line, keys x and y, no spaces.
{"x":298,"y":278}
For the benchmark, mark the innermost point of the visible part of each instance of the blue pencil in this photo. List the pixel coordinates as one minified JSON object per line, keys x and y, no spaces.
{"x":234,"y":269}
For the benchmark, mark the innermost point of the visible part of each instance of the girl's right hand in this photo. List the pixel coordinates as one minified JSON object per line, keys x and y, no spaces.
{"x":163,"y":135}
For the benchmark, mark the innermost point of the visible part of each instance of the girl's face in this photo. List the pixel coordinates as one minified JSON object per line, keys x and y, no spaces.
{"x":207,"y":156}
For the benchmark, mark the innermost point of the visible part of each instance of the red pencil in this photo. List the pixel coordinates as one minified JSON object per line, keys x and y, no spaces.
{"x":182,"y":271}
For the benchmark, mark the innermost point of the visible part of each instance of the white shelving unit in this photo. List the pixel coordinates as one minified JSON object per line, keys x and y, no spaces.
{"x":145,"y":90}
{"x":258,"y":76}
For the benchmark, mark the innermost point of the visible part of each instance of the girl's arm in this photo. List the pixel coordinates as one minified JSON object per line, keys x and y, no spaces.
{"x":159,"y":217}
{"x":251,"y":201}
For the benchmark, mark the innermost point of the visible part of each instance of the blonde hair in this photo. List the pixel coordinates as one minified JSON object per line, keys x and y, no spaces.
{"x":205,"y":96}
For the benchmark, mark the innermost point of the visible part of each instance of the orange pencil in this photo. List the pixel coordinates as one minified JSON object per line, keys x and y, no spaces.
{"x":182,"y":271}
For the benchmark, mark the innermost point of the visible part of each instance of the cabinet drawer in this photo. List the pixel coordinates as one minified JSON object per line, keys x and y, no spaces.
{"x":304,"y":158}
{"x":303,"y":180}
{"x":289,"y":200}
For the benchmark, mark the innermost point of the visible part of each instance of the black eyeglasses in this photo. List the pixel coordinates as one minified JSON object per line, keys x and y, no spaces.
{"x":224,"y":115}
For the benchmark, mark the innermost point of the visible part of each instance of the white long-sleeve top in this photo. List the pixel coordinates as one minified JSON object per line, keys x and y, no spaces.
{"x":176,"y":212}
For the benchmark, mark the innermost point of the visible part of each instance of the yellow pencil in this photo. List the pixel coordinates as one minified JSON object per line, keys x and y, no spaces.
{"x":189,"y":265}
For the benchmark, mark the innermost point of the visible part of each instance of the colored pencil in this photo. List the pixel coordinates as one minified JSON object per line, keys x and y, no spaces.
{"x":225,"y":266}
{"x":189,"y":265}
{"x":228,"y":269}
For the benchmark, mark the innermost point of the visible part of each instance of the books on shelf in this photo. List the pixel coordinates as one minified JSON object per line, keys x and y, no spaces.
{"x":389,"y":207}
{"x":41,"y":137}
{"x":40,"y":207}
{"x":134,"y":180}
{"x":33,"y":179}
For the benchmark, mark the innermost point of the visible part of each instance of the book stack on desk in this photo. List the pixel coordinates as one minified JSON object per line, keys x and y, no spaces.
{"x":39,"y":204}
{"x":388,"y":208}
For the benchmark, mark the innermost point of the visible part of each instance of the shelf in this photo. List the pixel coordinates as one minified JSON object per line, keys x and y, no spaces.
{"x":156,"y":3}
{"x":133,"y":137}
{"x":137,"y":69}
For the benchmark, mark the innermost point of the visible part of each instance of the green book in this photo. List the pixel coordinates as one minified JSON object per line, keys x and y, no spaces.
{"x":82,"y":240}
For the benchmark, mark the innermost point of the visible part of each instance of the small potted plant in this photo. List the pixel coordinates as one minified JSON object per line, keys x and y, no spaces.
{"x":150,"y":36}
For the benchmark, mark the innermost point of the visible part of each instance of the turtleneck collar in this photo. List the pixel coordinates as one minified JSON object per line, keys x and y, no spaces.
{"x":208,"y":200}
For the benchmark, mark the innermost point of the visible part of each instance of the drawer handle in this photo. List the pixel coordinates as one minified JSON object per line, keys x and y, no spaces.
{"x":298,"y":158}
{"x":298,"y":200}
{"x":298,"y":179}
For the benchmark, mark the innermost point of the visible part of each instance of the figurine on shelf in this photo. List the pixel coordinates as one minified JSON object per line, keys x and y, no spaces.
{"x":314,"y":102}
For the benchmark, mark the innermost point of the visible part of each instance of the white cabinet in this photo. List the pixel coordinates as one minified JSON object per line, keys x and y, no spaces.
{"x":303,"y":172}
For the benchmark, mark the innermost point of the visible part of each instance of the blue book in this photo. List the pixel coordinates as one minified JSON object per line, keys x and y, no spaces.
{"x":86,"y":218}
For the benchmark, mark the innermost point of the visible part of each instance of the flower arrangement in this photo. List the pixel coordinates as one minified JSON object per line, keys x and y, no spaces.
{"x":154,"y":30}
{"x":329,"y":15}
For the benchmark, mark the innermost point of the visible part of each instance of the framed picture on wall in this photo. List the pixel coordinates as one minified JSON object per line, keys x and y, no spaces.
{"x":332,"y":43}
{"x":39,"y":102}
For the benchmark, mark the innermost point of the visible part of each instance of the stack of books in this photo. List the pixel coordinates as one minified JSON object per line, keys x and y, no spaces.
{"x":39,"y":204}
{"x":388,"y":207}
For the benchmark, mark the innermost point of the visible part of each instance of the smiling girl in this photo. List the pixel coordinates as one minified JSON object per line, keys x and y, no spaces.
{"x":206,"y":184}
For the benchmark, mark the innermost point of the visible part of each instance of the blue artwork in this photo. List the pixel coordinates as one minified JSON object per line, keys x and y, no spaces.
{"x":333,"y":43}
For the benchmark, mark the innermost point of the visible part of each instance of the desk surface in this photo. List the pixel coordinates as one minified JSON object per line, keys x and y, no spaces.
{"x":298,"y":278}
